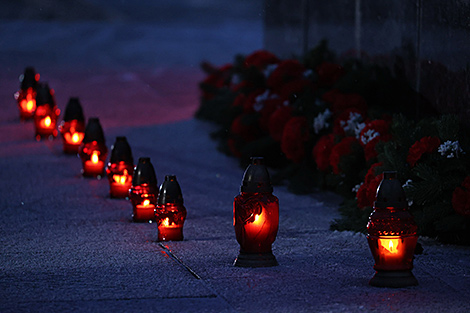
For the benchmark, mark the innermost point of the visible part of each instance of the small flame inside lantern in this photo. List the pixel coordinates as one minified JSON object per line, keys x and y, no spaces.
{"x":76,"y":138}
{"x":47,"y":121}
{"x":391,"y":245}
{"x":146,"y":202}
{"x":166,"y":222}
{"x":28,"y":104}
{"x":94,"y":157}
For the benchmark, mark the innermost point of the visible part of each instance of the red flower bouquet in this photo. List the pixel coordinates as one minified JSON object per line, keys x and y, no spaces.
{"x":461,"y":198}
{"x":322,"y":150}
{"x":344,"y":147}
{"x":293,"y":139}
{"x":424,"y":145}
{"x":367,"y":191}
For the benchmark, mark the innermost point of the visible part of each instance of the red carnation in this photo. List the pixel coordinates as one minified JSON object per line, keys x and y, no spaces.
{"x":330,"y":96}
{"x":285,"y":72}
{"x":218,"y":78}
{"x":342,"y":102}
{"x":344,"y":147}
{"x":424,"y":145}
{"x":294,"y":136}
{"x":368,"y":190}
{"x":269,"y":107}
{"x":250,"y":100}
{"x":260,"y":59}
{"x":278,"y":120}
{"x":329,"y":73}
{"x":322,"y":150}
{"x":461,"y":198}
{"x":297,"y":86}
{"x":240,"y":129}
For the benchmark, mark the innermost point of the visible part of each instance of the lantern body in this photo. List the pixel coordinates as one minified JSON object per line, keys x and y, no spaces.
{"x":120,"y":179}
{"x":72,"y":128}
{"x":143,"y":200}
{"x":256,"y":221}
{"x":170,"y":218}
{"x":93,"y":156}
{"x":256,"y":217}
{"x":120,"y":168}
{"x":72,"y":132}
{"x":170,"y":213}
{"x":26,"y":102}
{"x":144,"y":191}
{"x":26,"y":96}
{"x":45,"y":121}
{"x":392,"y":236}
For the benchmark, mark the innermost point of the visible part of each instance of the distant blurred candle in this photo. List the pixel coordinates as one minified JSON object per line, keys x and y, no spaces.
{"x":26,"y":96}
{"x":72,"y":128}
{"x":93,"y":151}
{"x":120,"y":168}
{"x":256,"y":217}
{"x":170,"y":213}
{"x":46,"y":114}
{"x":144,"y":191}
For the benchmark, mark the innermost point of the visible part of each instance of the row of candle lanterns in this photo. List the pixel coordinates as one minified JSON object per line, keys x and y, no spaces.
{"x":391,"y":236}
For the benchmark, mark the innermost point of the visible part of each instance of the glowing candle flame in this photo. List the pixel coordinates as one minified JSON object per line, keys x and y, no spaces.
{"x":94,"y":157}
{"x":146,"y":202}
{"x":75,"y":138}
{"x":166,"y":222}
{"x":391,"y":245}
{"x":47,"y":121}
{"x":30,"y":105}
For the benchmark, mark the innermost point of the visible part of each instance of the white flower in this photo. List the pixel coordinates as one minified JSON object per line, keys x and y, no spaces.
{"x":368,"y":136}
{"x":356,"y":188}
{"x":320,"y":121}
{"x":407,"y":184}
{"x":351,"y":124}
{"x":308,"y":73}
{"x":450,"y":149}
{"x":269,"y":69}
{"x":259,"y":100}
{"x":358,"y":129}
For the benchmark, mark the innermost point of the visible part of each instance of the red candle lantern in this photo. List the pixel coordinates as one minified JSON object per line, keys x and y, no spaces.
{"x":144,"y":191}
{"x":256,"y":217}
{"x":47,"y":113}
{"x":120,"y":168}
{"x":93,"y":151}
{"x":26,"y":96}
{"x":72,"y":128}
{"x":392,"y":236}
{"x":170,"y":213}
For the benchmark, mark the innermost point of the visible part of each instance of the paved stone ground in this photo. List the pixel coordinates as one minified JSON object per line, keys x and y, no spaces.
{"x":67,"y":247}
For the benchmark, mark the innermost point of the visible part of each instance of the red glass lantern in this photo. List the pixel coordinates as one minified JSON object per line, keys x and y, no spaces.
{"x":256,"y":217}
{"x":47,"y":113}
{"x":392,"y":236}
{"x":120,"y":168}
{"x":93,"y":151}
{"x":144,"y":191}
{"x":26,"y":96}
{"x":170,"y":213}
{"x":72,"y":128}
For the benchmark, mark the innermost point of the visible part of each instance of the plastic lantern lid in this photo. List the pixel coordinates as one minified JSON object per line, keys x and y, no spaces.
{"x":256,"y":177}
{"x":28,"y":79}
{"x":74,"y":111}
{"x":44,"y":95}
{"x":144,"y":173}
{"x":170,"y":191}
{"x":121,"y":151}
{"x":93,"y":131}
{"x":390,"y":193}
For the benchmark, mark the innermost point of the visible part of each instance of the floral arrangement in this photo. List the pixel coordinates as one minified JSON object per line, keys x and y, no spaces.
{"x":323,"y":121}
